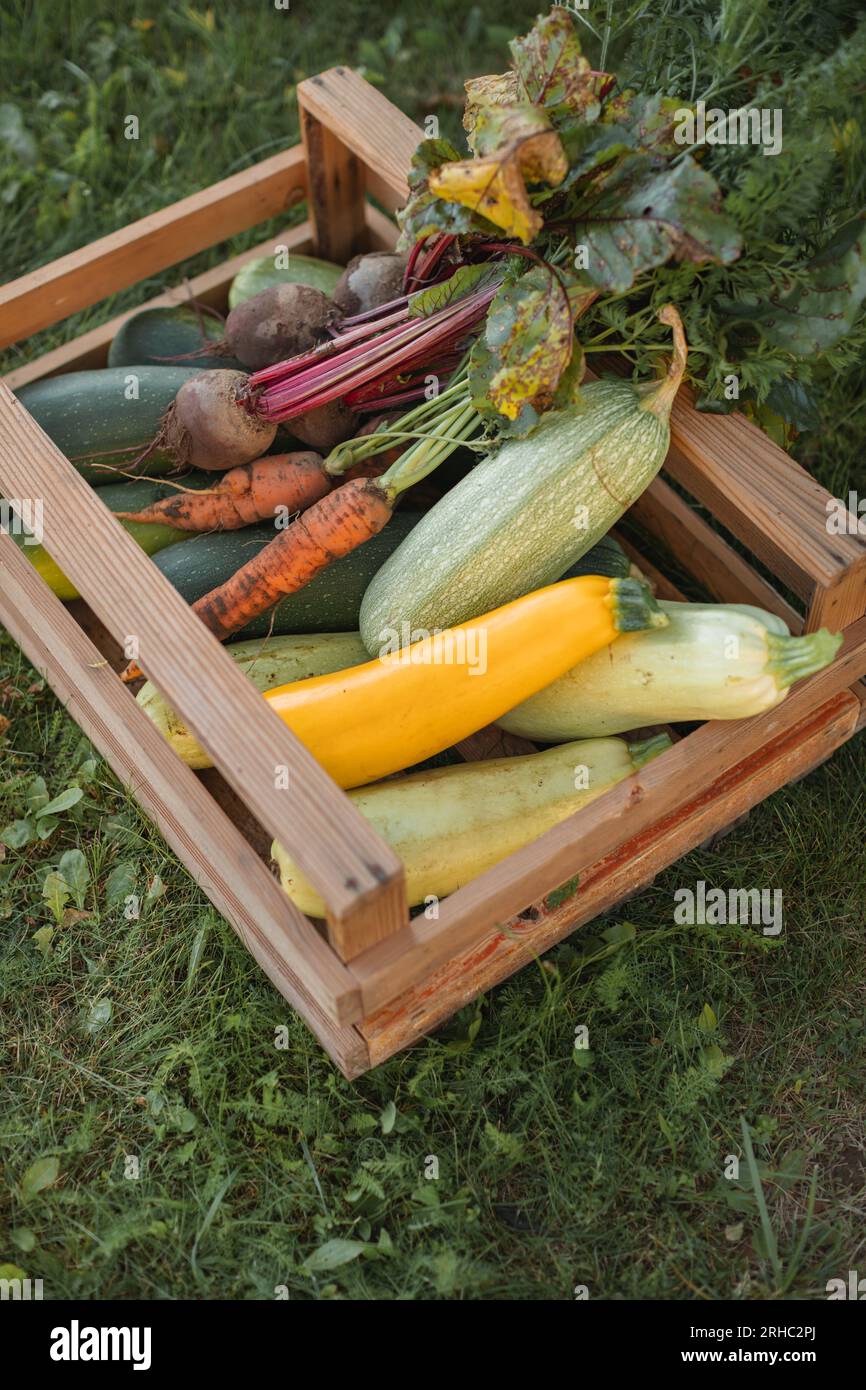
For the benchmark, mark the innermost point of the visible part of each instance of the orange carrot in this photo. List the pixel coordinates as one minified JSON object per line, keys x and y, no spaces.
{"x":252,"y":492}
{"x":331,"y":528}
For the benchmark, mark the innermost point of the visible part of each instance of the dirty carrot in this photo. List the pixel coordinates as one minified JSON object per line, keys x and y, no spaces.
{"x":332,"y":527}
{"x":247,"y":494}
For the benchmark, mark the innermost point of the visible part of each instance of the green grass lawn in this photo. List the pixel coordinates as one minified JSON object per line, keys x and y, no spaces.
{"x":158,"y":1140}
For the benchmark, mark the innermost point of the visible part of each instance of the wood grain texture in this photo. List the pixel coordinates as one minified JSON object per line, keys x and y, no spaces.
{"x":151,"y":244}
{"x":649,"y":797}
{"x":358,"y":875}
{"x":336,"y":190}
{"x":381,"y":137}
{"x":705,"y":554}
{"x":211,"y":287}
{"x":299,"y":963}
{"x":764,"y":498}
{"x":836,"y":605}
{"x":382,"y":233}
{"x":473,"y":971}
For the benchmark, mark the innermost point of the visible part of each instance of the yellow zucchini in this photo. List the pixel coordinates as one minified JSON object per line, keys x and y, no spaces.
{"x":452,"y":823}
{"x":407,"y":705}
{"x":268,"y":662}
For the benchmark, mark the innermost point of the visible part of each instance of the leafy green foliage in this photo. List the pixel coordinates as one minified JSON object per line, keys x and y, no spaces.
{"x":638,"y":216}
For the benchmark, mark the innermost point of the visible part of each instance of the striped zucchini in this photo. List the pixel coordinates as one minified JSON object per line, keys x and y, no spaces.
{"x":104,"y":420}
{"x":450,"y":824}
{"x":712,"y":661}
{"x":152,"y":336}
{"x":526,"y":513}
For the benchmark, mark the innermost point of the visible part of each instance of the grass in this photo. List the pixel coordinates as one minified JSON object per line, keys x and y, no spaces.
{"x":496,"y":1160}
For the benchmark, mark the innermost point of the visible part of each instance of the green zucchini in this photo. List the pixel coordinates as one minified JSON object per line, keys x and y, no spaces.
{"x":269,"y":662}
{"x":712,"y":661}
{"x":526,"y":513}
{"x":450,"y":824}
{"x":260,"y":274}
{"x":119,"y":497}
{"x":100,"y":423}
{"x":153,"y":335}
{"x":607,"y":558}
{"x":329,"y":603}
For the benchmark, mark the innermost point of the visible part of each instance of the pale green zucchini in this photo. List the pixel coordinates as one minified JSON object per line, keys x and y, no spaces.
{"x":527,"y":512}
{"x":268,"y":662}
{"x":450,"y":824}
{"x":261,"y":274}
{"x":712,"y":661}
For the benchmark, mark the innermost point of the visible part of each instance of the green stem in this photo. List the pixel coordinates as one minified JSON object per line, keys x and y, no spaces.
{"x":633,"y":607}
{"x":646,"y":749}
{"x":793,"y":658}
{"x":421,"y":460}
{"x":415,"y":424}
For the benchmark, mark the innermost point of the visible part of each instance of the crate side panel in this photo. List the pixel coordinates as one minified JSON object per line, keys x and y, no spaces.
{"x":215,"y":853}
{"x":336,"y":846}
{"x":628,"y":809}
{"x":151,"y":244}
{"x":477,"y":969}
{"x":90,"y":349}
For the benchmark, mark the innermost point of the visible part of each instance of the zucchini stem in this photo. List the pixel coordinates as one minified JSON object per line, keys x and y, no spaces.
{"x":660,"y":398}
{"x":793,"y":658}
{"x":645,"y":749}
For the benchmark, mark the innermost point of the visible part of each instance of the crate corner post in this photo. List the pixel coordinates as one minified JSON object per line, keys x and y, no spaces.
{"x":336,"y":183}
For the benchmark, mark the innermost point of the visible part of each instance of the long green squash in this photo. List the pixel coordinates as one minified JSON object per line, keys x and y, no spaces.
{"x":525,"y":513}
{"x":712,"y":661}
{"x":329,"y":603}
{"x":103,"y":420}
{"x":152,"y":336}
{"x":261,"y":274}
{"x":450,"y":824}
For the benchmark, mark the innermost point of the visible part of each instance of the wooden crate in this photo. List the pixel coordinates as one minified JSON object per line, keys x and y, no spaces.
{"x":374,"y":981}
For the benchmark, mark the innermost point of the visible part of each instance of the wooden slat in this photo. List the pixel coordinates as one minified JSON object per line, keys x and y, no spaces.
{"x":363,"y":120}
{"x":764,"y":498}
{"x":837,"y":605}
{"x":357,"y":874}
{"x":382,"y":233}
{"x":769,"y":502}
{"x":219,"y":859}
{"x":336,"y":189}
{"x":634,"y":865}
{"x":649,"y":797}
{"x":211,"y":287}
{"x":151,"y":244}
{"x":705,"y":554}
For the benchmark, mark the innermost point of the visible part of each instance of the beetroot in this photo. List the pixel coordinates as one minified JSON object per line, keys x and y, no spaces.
{"x":369,"y":281}
{"x":324,"y":426}
{"x":278,"y":323}
{"x":207,"y":426}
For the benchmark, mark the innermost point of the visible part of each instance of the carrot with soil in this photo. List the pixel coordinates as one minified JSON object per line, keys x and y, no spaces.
{"x":244,"y":495}
{"x":332,"y":527}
